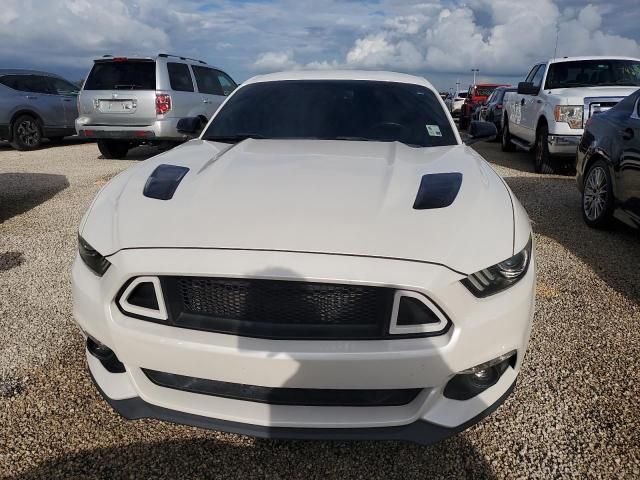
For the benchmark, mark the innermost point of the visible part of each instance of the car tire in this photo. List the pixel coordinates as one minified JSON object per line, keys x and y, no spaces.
{"x":506,"y":144}
{"x":542,"y":155}
{"x":597,"y":196}
{"x":113,"y":149}
{"x":26,"y":133}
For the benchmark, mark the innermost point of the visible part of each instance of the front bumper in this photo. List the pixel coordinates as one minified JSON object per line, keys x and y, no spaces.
{"x":420,"y":431}
{"x":482,"y":330}
{"x":563,"y":144}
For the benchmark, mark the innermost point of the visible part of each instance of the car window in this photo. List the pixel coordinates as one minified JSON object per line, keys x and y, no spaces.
{"x":532,"y":72}
{"x":62,"y":87}
{"x":226,"y":83}
{"x":122,"y":75}
{"x":335,"y":110}
{"x":28,"y":83}
{"x":180,"y":77}
{"x":207,"y":80}
{"x":484,"y":91}
{"x":462,"y":94}
{"x":593,"y":73}
{"x":537,"y":78}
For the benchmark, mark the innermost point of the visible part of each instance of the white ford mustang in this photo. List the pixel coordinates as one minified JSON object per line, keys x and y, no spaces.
{"x":327,"y":260}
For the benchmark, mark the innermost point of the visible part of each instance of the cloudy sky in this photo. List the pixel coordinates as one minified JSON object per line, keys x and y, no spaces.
{"x":441,"y":40}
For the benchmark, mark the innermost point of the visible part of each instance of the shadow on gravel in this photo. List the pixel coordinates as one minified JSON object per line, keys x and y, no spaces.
{"x":67,"y":141}
{"x":553,"y":204}
{"x":20,"y":192}
{"x":9,"y":260}
{"x":210,"y":458}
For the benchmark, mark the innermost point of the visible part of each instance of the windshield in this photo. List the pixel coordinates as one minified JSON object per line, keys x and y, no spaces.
{"x":462,"y":94}
{"x":334,"y":110}
{"x":484,"y":91}
{"x":593,"y":73}
{"x":122,"y":75}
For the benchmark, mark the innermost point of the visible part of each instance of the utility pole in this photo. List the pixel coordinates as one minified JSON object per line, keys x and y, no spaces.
{"x":475,"y":70}
{"x":457,"y":86}
{"x":555,"y":51}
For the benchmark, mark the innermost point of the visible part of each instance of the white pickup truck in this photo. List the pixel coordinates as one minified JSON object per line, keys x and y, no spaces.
{"x":548,"y":112}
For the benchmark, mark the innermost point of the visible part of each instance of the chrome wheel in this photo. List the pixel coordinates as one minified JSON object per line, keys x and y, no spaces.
{"x":28,"y":133}
{"x":596,"y":189}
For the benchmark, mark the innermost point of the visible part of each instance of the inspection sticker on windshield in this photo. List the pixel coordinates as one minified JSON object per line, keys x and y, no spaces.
{"x":433,"y":130}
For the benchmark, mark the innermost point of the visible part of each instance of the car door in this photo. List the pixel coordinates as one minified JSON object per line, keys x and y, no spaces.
{"x":516,"y":106}
{"x":629,"y":172}
{"x":38,"y":97}
{"x":68,"y":93}
{"x":531,"y":106}
{"x":209,"y":88}
{"x":184,"y":101}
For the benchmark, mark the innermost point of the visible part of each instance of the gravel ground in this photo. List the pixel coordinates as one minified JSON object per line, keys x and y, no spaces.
{"x":575,"y":412}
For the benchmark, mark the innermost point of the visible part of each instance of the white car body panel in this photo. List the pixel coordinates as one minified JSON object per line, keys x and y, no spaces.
{"x":353,"y":191}
{"x":319,"y":211}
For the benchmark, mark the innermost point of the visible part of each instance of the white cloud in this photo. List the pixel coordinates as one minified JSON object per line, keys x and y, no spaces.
{"x":274,"y":61}
{"x":501,"y":37}
{"x":453,"y":41}
{"x":64,"y":32}
{"x":434,"y":38}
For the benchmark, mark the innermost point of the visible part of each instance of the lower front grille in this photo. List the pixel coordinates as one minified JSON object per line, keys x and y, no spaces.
{"x":285,"y":396}
{"x":278,"y":309}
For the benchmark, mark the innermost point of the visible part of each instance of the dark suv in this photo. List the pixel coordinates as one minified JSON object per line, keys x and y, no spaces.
{"x":36,"y":105}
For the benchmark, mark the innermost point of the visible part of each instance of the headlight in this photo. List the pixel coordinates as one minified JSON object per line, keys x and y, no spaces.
{"x":571,"y":114}
{"x":92,"y":258}
{"x":499,"y":276}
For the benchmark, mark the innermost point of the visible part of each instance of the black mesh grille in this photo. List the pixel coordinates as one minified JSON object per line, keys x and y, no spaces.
{"x":278,"y":309}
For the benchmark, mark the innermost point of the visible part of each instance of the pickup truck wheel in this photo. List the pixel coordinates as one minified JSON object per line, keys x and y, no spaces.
{"x":597,"y":196}
{"x":113,"y":149}
{"x":543,"y":158}
{"x":507,"y":146}
{"x":26,"y":133}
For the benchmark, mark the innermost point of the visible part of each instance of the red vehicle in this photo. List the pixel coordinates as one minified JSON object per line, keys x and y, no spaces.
{"x":477,"y":95}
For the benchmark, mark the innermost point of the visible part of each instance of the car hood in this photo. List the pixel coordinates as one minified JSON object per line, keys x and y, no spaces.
{"x":338,"y":197}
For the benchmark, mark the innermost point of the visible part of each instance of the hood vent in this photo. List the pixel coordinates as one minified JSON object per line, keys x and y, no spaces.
{"x":437,"y":190}
{"x":164,"y":181}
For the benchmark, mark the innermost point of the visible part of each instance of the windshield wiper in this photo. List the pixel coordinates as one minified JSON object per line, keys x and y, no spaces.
{"x":234,"y":138}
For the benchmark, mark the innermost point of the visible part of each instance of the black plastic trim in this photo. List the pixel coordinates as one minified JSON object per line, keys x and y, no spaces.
{"x":109,"y":360}
{"x":437,"y":190}
{"x":164,"y":181}
{"x":421,"y":432}
{"x":316,"y":397}
{"x":196,"y":322}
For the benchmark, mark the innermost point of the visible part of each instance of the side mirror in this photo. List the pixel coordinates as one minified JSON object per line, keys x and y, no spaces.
{"x":480,"y":131}
{"x":190,"y":126}
{"x":527,"y":88}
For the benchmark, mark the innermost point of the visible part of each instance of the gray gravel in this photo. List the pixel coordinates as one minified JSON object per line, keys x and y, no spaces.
{"x":574,"y":414}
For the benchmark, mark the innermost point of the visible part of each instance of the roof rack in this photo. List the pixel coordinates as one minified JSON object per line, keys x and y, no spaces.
{"x":165,"y":55}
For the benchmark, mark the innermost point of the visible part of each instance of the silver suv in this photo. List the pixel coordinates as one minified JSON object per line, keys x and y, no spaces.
{"x":128,"y":101}
{"x":35,"y":105}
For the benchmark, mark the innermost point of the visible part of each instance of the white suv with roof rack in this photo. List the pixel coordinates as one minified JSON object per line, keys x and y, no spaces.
{"x":127,"y":101}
